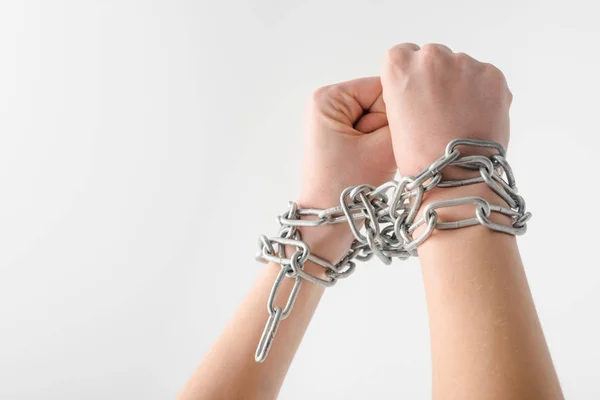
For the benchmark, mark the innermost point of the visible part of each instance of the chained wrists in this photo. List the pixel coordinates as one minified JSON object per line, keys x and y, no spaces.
{"x":393,"y":220}
{"x":465,"y":211}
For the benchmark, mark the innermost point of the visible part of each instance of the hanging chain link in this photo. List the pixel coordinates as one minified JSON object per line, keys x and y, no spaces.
{"x":383,"y":220}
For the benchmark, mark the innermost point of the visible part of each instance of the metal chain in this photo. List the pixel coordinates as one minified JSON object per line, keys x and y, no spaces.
{"x":383,"y":220}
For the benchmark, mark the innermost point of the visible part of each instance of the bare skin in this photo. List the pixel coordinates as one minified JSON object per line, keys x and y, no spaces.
{"x":486,"y":339}
{"x":346,"y":130}
{"x":487,"y":342}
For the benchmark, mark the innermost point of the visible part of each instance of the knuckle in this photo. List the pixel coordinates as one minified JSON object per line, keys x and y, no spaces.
{"x":431,"y":56}
{"x":326,"y":97}
{"x":464,"y":59}
{"x":321,"y":94}
{"x":494,"y":73}
{"x":431,"y":51}
{"x":497,"y":80}
{"x":509,"y":95}
{"x":397,"y":56}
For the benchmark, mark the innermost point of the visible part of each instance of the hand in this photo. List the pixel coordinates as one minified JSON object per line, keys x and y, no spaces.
{"x":347,"y":142}
{"x":433,"y":95}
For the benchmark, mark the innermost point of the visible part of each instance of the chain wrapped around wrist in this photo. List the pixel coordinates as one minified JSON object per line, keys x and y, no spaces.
{"x":388,"y":214}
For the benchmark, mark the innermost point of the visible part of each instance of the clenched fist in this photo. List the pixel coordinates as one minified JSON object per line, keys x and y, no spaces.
{"x":433,"y":95}
{"x":347,"y":141}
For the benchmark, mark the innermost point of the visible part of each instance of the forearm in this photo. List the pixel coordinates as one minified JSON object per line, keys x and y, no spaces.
{"x":229,"y":370}
{"x":486,"y":339}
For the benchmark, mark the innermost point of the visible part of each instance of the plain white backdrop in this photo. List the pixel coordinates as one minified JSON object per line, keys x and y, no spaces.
{"x":144,"y":146}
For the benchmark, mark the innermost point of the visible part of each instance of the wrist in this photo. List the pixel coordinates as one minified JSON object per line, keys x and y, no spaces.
{"x":328,"y":241}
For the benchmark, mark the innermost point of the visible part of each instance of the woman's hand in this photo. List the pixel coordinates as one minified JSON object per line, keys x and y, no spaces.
{"x":433,"y":95}
{"x":347,"y":141}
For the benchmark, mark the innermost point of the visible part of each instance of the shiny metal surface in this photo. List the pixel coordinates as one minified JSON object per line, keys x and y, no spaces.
{"x":383,"y":220}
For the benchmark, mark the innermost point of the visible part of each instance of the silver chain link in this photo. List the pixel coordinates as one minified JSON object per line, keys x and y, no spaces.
{"x":383,"y":220}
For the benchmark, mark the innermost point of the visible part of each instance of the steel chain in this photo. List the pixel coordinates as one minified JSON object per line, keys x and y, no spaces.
{"x":383,"y":220}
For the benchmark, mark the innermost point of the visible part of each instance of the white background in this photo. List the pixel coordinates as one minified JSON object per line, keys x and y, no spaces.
{"x":144,"y":145}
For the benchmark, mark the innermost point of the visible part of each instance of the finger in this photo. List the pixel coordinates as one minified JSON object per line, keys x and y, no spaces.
{"x":372,"y":121}
{"x":437,"y":46}
{"x":368,"y":94}
{"x":408,"y":46}
{"x":348,"y":100}
{"x":365,"y":91}
{"x":400,"y":55}
{"x":466,"y":58}
{"x":396,"y":63}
